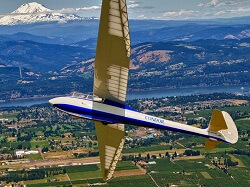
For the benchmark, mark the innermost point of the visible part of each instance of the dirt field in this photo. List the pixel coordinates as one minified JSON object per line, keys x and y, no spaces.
{"x":238,"y":102}
{"x":190,"y":157}
{"x":128,"y":173}
{"x":58,"y":155}
{"x":240,"y":163}
{"x":206,"y":175}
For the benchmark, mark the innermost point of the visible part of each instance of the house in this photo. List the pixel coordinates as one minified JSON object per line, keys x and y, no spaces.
{"x":31,"y":152}
{"x":19,"y":153}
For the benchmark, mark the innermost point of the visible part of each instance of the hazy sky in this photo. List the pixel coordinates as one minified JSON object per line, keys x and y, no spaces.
{"x":145,"y":9}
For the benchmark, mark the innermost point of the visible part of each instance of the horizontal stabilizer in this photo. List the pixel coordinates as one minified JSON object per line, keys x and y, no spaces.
{"x":211,"y":144}
{"x":222,"y":123}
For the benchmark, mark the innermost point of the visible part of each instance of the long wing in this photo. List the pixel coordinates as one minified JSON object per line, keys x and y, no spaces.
{"x":110,"y":141}
{"x":111,"y":77}
{"x":113,"y":52}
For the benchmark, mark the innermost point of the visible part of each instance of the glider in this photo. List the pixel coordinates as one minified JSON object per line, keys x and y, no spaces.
{"x":109,"y":110}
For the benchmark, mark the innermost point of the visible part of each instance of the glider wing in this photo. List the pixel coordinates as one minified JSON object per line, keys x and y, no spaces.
{"x":111,"y":77}
{"x":113,"y":52}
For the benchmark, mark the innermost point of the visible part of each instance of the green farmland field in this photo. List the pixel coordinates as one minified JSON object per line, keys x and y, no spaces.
{"x":208,"y":113}
{"x":192,"y":172}
{"x":138,"y":181}
{"x":125,"y":165}
{"x":75,"y":169}
{"x":146,"y":149}
{"x":85,"y":175}
{"x":40,"y":143}
{"x":34,"y":157}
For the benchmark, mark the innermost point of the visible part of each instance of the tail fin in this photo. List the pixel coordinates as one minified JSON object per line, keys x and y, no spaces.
{"x":222,"y":123}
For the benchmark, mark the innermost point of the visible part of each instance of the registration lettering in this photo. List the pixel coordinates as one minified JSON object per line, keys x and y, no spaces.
{"x":154,"y":119}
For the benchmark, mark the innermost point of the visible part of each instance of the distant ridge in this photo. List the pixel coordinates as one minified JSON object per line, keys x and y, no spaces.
{"x":35,"y":13}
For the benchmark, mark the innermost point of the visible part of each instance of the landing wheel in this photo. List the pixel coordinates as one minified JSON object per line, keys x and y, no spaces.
{"x":105,"y":123}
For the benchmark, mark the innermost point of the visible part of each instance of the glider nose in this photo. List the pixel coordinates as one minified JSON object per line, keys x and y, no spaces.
{"x":53,"y":101}
{"x":59,"y":100}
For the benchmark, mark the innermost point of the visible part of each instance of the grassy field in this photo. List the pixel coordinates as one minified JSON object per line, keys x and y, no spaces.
{"x":215,"y":150}
{"x":243,"y":124}
{"x":44,"y":143}
{"x":245,"y":159}
{"x":34,"y":157}
{"x":15,"y":145}
{"x":138,"y":181}
{"x":194,"y":173}
{"x":241,"y":175}
{"x":49,"y":184}
{"x":208,"y":113}
{"x":85,"y":175}
{"x":67,"y":183}
{"x":75,"y":169}
{"x":61,"y":178}
{"x":125,"y":165}
{"x":10,"y":117}
{"x":77,"y":174}
{"x":146,"y":149}
{"x":193,"y":139}
{"x":39,"y":181}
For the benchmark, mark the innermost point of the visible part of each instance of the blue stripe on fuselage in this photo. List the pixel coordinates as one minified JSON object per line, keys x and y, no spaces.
{"x":113,"y":118}
{"x":119,"y":105}
{"x":86,"y":113}
{"x":111,"y":103}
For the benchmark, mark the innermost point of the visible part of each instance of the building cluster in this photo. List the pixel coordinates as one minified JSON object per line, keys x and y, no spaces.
{"x":22,"y":153}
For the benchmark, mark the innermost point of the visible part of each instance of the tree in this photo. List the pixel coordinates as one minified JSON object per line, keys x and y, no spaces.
{"x":90,"y":144}
{"x":175,"y":154}
{"x":153,"y":156}
{"x":20,"y":146}
{"x":167,"y":154}
{"x":45,"y":149}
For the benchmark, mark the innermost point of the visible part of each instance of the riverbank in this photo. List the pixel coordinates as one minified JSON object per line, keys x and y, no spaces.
{"x":142,"y":94}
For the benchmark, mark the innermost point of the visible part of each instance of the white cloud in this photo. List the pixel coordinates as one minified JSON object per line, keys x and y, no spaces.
{"x":212,"y":3}
{"x":137,"y":4}
{"x":133,"y":2}
{"x":142,"y":16}
{"x":183,"y":14}
{"x":217,"y":3}
{"x":233,"y":11}
{"x":75,"y":10}
{"x":134,"y":5}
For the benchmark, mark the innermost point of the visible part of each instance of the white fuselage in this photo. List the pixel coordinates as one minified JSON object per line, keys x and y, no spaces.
{"x":110,"y":112}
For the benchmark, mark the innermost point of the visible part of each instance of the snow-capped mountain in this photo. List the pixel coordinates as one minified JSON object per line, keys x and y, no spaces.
{"x":35,"y":13}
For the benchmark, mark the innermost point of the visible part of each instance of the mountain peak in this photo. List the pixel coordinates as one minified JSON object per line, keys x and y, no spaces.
{"x":35,"y":13}
{"x":32,"y":7}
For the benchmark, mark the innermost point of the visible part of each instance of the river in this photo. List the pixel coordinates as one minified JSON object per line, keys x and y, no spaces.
{"x":147,"y":94}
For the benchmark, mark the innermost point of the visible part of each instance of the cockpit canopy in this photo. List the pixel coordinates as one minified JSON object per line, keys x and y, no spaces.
{"x":89,"y":96}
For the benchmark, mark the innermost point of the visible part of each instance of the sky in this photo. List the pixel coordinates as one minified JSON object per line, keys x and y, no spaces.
{"x":145,"y":9}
